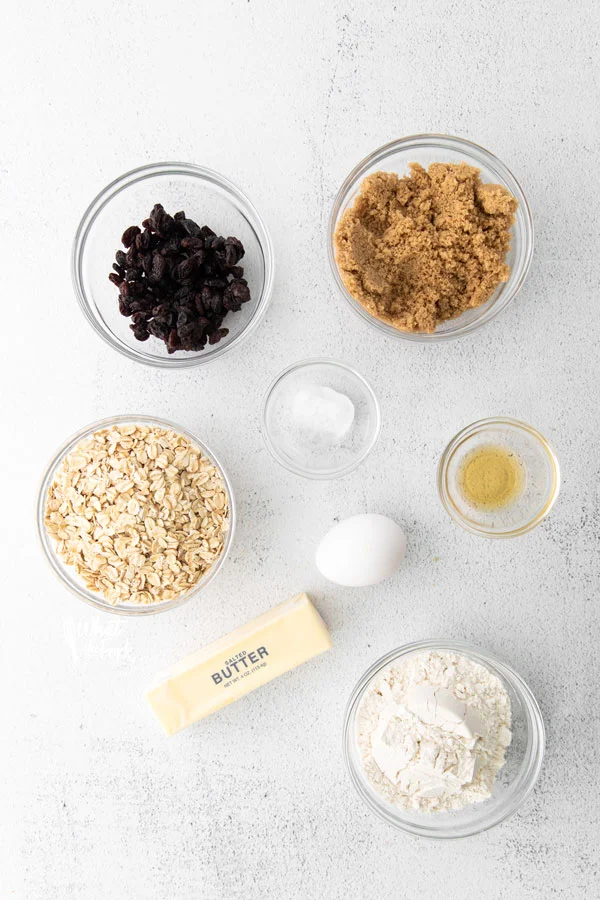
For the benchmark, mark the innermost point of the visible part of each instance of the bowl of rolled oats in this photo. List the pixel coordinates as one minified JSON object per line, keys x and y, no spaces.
{"x":135,"y":515}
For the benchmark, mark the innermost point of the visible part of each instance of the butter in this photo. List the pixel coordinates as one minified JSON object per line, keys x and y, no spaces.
{"x":240,"y":662}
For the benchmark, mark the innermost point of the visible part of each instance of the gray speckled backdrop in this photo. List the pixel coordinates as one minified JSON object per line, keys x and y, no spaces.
{"x":284,"y":99}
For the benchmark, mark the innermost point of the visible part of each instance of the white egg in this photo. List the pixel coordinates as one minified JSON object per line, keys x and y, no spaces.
{"x":361,"y":550}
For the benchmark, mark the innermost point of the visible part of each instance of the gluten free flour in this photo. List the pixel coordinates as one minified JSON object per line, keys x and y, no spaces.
{"x":433,"y":730}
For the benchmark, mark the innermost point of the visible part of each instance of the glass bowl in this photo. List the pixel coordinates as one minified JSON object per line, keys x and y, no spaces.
{"x":426,"y":149}
{"x":514,"y":781}
{"x":68,"y":575}
{"x":206,"y":197}
{"x":541,"y":478}
{"x":302,"y":452}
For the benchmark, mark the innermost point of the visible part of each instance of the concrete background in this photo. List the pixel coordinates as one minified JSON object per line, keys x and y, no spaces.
{"x":284,"y":99}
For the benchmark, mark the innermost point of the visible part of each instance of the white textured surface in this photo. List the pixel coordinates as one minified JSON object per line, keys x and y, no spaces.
{"x":284,"y":99}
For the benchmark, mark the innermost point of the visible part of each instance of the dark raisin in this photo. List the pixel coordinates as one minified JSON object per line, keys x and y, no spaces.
{"x":197,"y":300}
{"x":129,"y":235}
{"x":216,"y":243}
{"x":184,"y":270}
{"x":216,"y":336}
{"x":147,"y":263}
{"x":184,"y":317}
{"x":158,"y":266}
{"x":140,"y":332}
{"x":234,"y":250}
{"x":177,"y":281}
{"x":181,"y":294}
{"x":158,"y":328}
{"x":131,"y":257}
{"x":191,"y":228}
{"x":236,"y":293}
{"x":195,"y":244}
{"x":173,"y":341}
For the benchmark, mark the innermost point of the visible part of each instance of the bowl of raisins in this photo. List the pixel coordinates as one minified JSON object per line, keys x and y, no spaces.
{"x":172,"y":265}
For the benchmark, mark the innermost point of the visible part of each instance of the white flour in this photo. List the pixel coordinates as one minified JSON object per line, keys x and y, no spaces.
{"x":432,"y":732}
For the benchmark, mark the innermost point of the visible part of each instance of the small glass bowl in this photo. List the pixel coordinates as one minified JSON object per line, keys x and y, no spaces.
{"x":206,"y":197}
{"x":515,"y":780}
{"x":314,"y":460}
{"x":541,"y":478}
{"x":426,"y":149}
{"x":67,"y":573}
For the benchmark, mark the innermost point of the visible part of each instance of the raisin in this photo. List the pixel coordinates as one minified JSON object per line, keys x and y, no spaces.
{"x":236,"y":293}
{"x":177,"y":281}
{"x":191,"y":228}
{"x":195,"y":244}
{"x":140,"y":332}
{"x":173,"y":341}
{"x":216,"y":336}
{"x":184,"y":271}
{"x":129,"y":235}
{"x":158,"y":266}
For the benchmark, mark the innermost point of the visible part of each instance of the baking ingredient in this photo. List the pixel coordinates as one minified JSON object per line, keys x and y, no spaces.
{"x":432,"y":731}
{"x":423,"y":248}
{"x":361,"y":550}
{"x":235,"y":665}
{"x":322,"y":414}
{"x":491,"y":477}
{"x":139,"y":512}
{"x":177,"y":281}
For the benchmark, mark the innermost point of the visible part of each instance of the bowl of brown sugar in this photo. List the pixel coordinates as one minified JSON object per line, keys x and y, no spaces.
{"x":430,"y":237}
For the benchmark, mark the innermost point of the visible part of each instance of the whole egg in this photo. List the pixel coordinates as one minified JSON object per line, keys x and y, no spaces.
{"x":361,"y":550}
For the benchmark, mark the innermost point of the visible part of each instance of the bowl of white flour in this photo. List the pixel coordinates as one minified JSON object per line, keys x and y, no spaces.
{"x":443,"y":740}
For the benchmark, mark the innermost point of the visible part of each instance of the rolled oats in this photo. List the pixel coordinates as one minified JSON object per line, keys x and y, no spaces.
{"x":139,"y":512}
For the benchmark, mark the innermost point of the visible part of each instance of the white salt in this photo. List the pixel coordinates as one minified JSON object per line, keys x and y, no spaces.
{"x":321,"y":413}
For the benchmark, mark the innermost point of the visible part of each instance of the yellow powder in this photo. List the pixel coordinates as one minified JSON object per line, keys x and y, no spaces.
{"x":491,"y":477}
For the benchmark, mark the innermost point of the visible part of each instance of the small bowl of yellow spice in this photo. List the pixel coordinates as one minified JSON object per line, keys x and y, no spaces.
{"x":498,"y":478}
{"x":430,"y":237}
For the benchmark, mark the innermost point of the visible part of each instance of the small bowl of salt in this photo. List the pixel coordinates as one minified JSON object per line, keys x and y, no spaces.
{"x":320,"y":418}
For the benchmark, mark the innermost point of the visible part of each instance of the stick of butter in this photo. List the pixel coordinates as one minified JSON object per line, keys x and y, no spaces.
{"x":236,"y":664}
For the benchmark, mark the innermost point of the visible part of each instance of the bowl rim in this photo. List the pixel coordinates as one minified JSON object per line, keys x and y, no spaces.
{"x":297,"y":470}
{"x":533,"y":759}
{"x":475,"y":151}
{"x":141,"y":173}
{"x":62,"y":571}
{"x":459,"y":439}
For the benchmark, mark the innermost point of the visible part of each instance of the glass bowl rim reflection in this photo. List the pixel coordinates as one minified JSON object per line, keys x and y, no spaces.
{"x":66,"y":574}
{"x":298,"y":470}
{"x":476,"y":154}
{"x":122,"y":183}
{"x":479,"y":427}
{"x":531,"y":764}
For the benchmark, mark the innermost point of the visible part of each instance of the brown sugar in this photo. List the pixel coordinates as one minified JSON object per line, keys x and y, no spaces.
{"x":419,"y":249}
